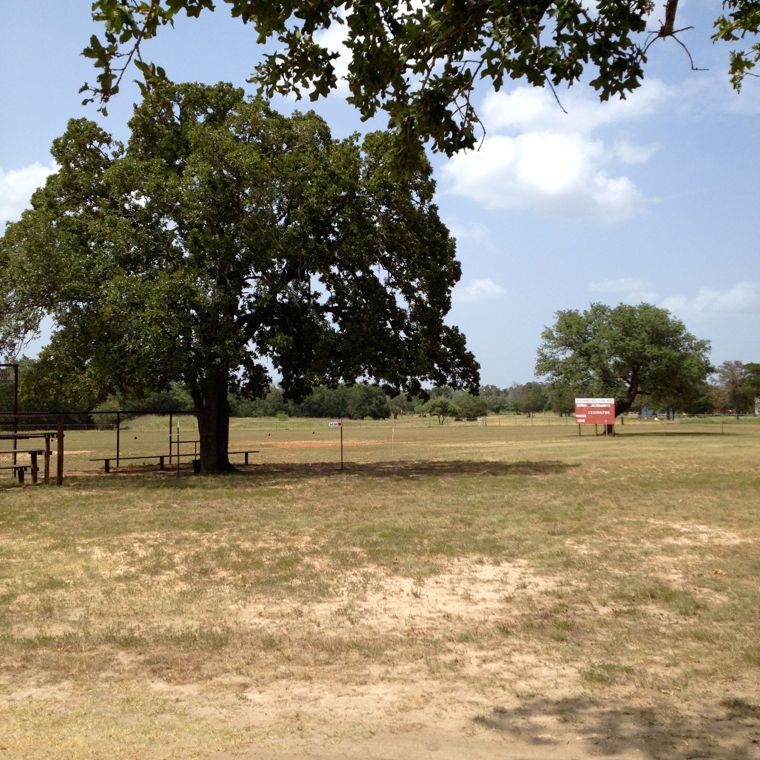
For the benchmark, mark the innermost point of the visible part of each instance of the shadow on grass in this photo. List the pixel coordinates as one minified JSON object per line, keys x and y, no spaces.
{"x":727,"y":731}
{"x":413,"y":469}
{"x":673,"y":433}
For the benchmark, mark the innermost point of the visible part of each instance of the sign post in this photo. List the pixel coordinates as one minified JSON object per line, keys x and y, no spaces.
{"x":338,"y":424}
{"x":594,"y":411}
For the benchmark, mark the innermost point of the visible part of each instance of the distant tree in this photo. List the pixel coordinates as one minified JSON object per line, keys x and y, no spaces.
{"x":753,"y":382}
{"x":402,"y":404}
{"x":367,"y":401}
{"x":625,"y":352}
{"x":470,"y":405}
{"x":532,"y":397}
{"x":324,"y":401}
{"x":441,"y":408}
{"x":224,"y":238}
{"x":269,"y":405}
{"x":494,"y":398}
{"x":738,"y":384}
{"x":561,"y":398}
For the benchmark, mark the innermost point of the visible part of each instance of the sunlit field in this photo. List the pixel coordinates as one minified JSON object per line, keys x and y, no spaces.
{"x":463,"y":590}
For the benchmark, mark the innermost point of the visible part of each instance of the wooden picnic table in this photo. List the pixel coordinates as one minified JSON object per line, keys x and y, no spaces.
{"x":48,"y":436}
{"x":21,"y":469}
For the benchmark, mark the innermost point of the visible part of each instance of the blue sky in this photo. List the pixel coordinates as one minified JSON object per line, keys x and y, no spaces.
{"x":651,"y":199}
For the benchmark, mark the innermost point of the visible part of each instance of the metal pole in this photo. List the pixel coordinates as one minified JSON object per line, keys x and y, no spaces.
{"x":178,"y":449}
{"x":48,"y":452}
{"x":59,"y":461}
{"x":118,"y":435}
{"x":15,"y":411}
{"x":341,"y":444}
{"x":170,"y":437}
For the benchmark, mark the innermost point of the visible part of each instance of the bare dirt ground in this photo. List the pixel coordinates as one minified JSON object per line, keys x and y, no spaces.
{"x":521,"y":702}
{"x":527,"y":705}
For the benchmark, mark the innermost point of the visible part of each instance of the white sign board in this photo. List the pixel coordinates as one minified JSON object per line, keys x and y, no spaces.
{"x":335,"y":423}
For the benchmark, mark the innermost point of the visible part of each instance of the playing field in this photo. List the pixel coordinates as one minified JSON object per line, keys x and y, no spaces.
{"x":458,"y":591}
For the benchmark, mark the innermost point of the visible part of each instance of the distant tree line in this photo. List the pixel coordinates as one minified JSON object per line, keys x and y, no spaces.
{"x":732,"y":389}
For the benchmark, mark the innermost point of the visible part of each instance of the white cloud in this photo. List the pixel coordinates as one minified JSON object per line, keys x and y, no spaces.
{"x":16,"y":188}
{"x":628,"y":153}
{"x":549,"y":172}
{"x":478,"y":291}
{"x":530,"y":108}
{"x":334,"y":38}
{"x":625,"y":289}
{"x":472,"y":231}
{"x":538,"y":157}
{"x":741,"y":298}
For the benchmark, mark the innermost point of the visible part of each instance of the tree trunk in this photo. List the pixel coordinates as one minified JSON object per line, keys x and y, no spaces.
{"x":213,"y":413}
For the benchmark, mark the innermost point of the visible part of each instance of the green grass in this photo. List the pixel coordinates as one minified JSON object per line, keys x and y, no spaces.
{"x":464,"y":556}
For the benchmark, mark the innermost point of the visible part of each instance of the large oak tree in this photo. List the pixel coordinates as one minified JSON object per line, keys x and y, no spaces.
{"x":629,"y":353}
{"x":224,"y":239}
{"x":420,"y":61}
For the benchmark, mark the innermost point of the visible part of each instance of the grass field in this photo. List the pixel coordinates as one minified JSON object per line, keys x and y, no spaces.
{"x":458,"y":591}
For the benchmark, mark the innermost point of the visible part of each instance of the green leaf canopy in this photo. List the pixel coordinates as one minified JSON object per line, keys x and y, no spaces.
{"x":225,"y":239}
{"x":625,"y":352}
{"x":420,"y":61}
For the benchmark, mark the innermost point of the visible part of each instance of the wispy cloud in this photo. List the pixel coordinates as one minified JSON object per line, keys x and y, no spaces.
{"x":472,"y":231}
{"x":626,"y":289}
{"x":741,"y":298}
{"x":16,"y":188}
{"x":478,"y":291}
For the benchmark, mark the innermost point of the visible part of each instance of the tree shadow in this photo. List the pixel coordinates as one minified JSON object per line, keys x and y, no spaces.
{"x":388,"y":470}
{"x":673,"y":433}
{"x":729,"y":730}
{"x":413,"y":469}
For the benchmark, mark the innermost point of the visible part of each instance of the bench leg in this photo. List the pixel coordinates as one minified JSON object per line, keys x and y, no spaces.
{"x":246,"y":457}
{"x":160,"y":463}
{"x":106,"y":465}
{"x":20,"y":476}
{"x":34,"y":467}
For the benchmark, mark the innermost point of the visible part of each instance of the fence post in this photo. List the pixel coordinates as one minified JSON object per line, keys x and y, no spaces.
{"x":59,"y":460}
{"x":47,"y":459}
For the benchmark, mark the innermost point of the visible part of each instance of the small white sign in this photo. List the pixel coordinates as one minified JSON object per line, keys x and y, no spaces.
{"x":335,"y":423}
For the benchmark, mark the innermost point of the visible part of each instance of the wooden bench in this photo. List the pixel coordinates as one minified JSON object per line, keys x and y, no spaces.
{"x":245,"y":454}
{"x":161,"y":458}
{"x":18,"y":469}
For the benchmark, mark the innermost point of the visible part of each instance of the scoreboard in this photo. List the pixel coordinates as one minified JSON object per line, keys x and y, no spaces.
{"x":595,"y":411}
